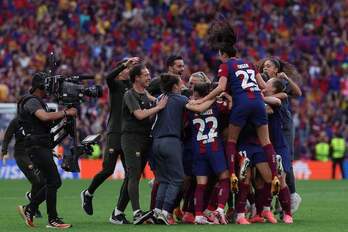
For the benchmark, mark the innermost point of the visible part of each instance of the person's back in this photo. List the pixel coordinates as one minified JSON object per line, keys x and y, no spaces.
{"x":241,"y":77}
{"x":169,"y":121}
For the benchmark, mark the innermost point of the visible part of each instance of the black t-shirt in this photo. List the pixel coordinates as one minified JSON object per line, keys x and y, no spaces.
{"x":133,"y":101}
{"x":117,"y":88}
{"x":37,"y":126}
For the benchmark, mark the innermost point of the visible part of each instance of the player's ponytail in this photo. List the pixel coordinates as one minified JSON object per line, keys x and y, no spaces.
{"x":222,"y":37}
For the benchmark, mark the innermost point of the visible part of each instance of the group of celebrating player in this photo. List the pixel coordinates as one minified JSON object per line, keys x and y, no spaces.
{"x":212,"y":143}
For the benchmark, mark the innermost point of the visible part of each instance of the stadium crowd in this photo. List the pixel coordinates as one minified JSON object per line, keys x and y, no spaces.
{"x":91,"y":36}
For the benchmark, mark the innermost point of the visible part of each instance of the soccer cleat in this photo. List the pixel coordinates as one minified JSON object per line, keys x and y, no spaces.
{"x":243,"y":164}
{"x":234,"y":183}
{"x":211,"y":216}
{"x":170,"y":219}
{"x":161,"y":218}
{"x":118,"y":219}
{"x":140,"y":217}
{"x":188,"y":218}
{"x":242,"y":221}
{"x":220,"y":214}
{"x":287,"y":219}
{"x":57,"y":223}
{"x":275,"y":188}
{"x":86,"y":202}
{"x":268,"y":215}
{"x":280,"y":168}
{"x":295,"y":202}
{"x":26,"y":215}
{"x":201,"y":220}
{"x":178,"y":214}
{"x":257,"y":219}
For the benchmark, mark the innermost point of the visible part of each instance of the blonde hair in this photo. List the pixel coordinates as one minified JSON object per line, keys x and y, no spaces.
{"x":201,"y":76}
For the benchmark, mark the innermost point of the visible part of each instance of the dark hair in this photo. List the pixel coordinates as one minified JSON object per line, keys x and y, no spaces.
{"x":278,"y":85}
{"x":221,"y":36}
{"x":202,"y":89}
{"x":172,"y":58}
{"x":282,"y":66}
{"x":136,"y":71}
{"x":168,"y":81}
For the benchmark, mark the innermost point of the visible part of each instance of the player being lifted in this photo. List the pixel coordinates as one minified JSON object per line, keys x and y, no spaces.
{"x":243,"y":82}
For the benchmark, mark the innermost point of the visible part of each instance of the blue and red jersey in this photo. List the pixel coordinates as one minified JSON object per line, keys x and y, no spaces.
{"x":206,"y":138}
{"x":241,"y":79}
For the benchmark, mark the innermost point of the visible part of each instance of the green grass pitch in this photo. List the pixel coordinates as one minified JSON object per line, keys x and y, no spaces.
{"x":324,"y":208}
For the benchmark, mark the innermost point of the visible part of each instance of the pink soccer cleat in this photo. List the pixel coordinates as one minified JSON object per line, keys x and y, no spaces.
{"x":287,"y":219}
{"x":268,"y":215}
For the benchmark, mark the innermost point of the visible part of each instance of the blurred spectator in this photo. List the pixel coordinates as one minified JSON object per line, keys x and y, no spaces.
{"x":91,"y":36}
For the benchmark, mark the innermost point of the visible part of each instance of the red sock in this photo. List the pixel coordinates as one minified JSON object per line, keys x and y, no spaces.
{"x":267,"y":196}
{"x":242,"y":196}
{"x":223,"y":193}
{"x":231,"y":152}
{"x":259,"y":201}
{"x":154,"y":194}
{"x":199,"y":199}
{"x":213,"y":198}
{"x":271,"y":158}
{"x":284,"y":199}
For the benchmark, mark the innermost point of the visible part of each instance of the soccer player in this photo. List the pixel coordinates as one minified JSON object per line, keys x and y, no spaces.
{"x":272,"y":67}
{"x":209,"y":156}
{"x":167,"y":146}
{"x":244,"y":81}
{"x":275,"y":86}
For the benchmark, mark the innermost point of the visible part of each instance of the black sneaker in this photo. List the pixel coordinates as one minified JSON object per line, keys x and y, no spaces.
{"x":86,"y":202}
{"x":38,"y":214}
{"x":140,"y":217}
{"x":57,"y":223}
{"x":26,"y":215}
{"x":118,"y":219}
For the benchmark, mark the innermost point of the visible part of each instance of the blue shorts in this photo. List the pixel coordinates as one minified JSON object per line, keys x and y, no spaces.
{"x":286,"y":157}
{"x":254,"y":152}
{"x":187,"y":160}
{"x":209,"y":163}
{"x":253,"y":111}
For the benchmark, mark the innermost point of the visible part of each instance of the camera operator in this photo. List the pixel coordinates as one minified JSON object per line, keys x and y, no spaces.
{"x":35,"y":119}
{"x":118,"y":83}
{"x":22,"y":159}
{"x":135,"y":140}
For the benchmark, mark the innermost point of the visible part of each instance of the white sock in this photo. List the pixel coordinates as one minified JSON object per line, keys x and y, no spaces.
{"x":88,"y":194}
{"x":118,"y":212}
{"x":135,"y":212}
{"x":240,"y":215}
{"x":253,"y":210}
{"x":266,"y":208}
{"x":221,"y":210}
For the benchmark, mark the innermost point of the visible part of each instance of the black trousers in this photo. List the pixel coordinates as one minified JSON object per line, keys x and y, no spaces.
{"x":29,"y":170}
{"x":338,"y":162}
{"x":112,"y":152}
{"x":42,"y":159}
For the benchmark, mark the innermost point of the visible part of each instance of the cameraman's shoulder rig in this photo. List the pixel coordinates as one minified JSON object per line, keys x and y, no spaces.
{"x":34,"y":131}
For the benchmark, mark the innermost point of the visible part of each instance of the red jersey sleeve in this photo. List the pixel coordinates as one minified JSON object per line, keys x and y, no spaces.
{"x":223,"y":70}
